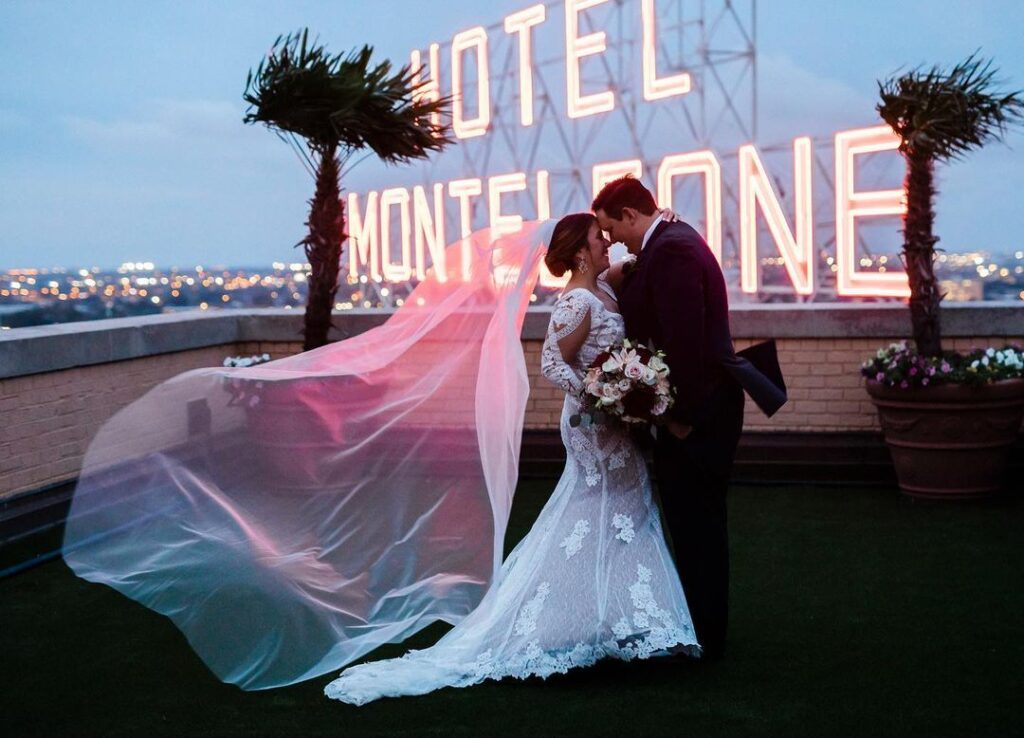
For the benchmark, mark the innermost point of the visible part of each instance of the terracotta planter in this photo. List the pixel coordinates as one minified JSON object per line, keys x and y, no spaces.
{"x":950,"y":441}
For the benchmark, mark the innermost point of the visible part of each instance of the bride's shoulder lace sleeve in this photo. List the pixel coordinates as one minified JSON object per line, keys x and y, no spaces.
{"x":568,"y":314}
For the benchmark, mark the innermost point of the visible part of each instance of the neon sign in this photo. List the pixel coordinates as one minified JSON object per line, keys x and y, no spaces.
{"x":398,"y":233}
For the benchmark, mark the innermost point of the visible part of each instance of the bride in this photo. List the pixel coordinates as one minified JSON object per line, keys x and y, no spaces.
{"x":593,"y":577}
{"x":293,"y":516}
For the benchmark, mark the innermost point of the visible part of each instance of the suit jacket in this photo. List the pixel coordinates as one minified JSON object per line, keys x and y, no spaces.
{"x":675,"y":297}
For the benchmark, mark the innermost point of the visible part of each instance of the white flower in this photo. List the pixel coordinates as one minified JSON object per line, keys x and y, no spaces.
{"x":990,"y":352}
{"x":660,"y":406}
{"x":624,"y":385}
{"x":657,"y":364}
{"x":610,"y":392}
{"x":650,"y":376}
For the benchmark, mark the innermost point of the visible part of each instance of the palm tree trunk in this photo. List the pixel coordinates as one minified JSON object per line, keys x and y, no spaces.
{"x":323,"y":249}
{"x":919,"y":254}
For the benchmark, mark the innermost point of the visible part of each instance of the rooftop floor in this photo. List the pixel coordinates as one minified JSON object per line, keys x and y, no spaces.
{"x":855,"y":612}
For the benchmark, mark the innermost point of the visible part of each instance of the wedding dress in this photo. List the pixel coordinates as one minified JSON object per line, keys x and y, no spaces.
{"x":593,"y":577}
{"x":291,"y":517}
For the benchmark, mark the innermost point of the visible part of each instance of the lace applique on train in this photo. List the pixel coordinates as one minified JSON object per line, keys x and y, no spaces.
{"x":573,"y":542}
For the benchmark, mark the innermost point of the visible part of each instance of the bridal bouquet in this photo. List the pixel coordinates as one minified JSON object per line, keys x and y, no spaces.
{"x":628,"y":382}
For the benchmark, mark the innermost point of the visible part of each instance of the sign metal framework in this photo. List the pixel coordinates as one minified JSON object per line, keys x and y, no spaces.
{"x":556,"y":99}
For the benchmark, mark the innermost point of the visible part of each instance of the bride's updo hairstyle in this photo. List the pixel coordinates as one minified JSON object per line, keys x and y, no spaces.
{"x":569,"y":236}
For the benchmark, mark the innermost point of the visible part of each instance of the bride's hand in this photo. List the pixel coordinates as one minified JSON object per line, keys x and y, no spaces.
{"x":669,"y":216}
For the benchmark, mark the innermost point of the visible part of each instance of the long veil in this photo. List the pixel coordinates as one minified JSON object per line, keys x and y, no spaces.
{"x":292,"y":516}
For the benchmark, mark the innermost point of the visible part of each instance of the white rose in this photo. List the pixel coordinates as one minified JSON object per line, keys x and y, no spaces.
{"x":657,"y":364}
{"x":610,"y":365}
{"x":625,"y":385}
{"x":634,"y":370}
{"x":650,"y":376}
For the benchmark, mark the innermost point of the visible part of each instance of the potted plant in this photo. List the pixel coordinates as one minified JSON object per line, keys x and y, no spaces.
{"x":949,"y":418}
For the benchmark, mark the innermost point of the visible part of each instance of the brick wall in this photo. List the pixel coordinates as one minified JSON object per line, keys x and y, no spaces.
{"x":48,"y":417}
{"x":826,"y":392}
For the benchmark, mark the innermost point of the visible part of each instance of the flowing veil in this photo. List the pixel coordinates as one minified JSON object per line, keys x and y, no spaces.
{"x":292,"y":516}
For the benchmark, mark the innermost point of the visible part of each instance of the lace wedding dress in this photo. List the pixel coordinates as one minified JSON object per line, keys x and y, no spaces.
{"x":592,"y":579}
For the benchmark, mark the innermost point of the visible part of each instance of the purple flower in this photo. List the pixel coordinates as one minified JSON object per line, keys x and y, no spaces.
{"x":924,"y":382}
{"x":913,"y":370}
{"x":880,"y":376}
{"x":904,"y":384}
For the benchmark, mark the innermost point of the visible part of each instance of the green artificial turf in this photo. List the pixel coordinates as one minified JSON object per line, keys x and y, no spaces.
{"x":855,"y":612}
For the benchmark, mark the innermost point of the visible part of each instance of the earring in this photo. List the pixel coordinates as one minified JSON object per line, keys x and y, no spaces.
{"x":581,"y":267}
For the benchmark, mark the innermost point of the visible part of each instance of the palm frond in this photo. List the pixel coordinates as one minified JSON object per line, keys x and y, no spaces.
{"x":344,"y":100}
{"x":943,"y":114}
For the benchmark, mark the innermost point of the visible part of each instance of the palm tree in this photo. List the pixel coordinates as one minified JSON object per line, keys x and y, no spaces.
{"x":939,"y":116}
{"x":338,"y":105}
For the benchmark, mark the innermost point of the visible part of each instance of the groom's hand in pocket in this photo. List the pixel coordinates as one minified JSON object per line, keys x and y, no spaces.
{"x":677,"y":429}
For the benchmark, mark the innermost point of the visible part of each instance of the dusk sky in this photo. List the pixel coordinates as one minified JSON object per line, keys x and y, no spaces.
{"x":122,"y":135}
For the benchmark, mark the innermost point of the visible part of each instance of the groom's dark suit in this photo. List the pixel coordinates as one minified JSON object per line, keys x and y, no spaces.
{"x":675,"y":297}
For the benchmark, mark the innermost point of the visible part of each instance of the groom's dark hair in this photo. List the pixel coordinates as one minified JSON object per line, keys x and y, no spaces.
{"x":624,"y":192}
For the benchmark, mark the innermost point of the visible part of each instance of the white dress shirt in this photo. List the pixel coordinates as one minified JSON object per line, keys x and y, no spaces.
{"x":650,"y":230}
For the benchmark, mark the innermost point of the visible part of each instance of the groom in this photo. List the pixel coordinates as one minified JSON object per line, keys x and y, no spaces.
{"x":675,"y":298}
